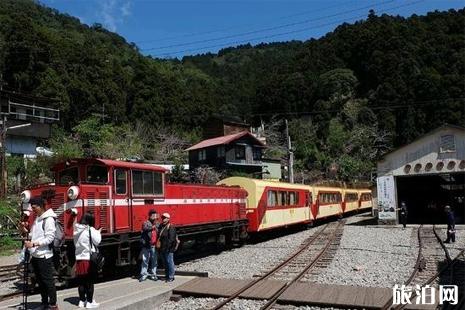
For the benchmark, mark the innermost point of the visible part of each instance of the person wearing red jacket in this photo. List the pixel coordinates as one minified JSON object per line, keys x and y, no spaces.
{"x":148,"y":241}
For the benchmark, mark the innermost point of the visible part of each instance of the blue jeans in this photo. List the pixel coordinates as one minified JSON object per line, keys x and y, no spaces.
{"x":149,"y":255}
{"x":168,"y":262}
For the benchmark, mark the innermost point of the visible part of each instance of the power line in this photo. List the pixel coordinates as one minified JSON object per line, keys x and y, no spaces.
{"x":419,"y":103}
{"x":239,"y":26}
{"x":282,"y":33}
{"x":415,"y":103}
{"x":267,"y":29}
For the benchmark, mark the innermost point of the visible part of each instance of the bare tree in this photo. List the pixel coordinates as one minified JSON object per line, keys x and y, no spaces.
{"x":161,"y":143}
{"x":207,"y":175}
{"x":275,"y":139}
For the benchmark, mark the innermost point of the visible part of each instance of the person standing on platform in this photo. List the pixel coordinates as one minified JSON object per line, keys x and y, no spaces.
{"x":41,"y":237}
{"x":86,"y":241}
{"x":450,"y":225}
{"x":149,"y":237}
{"x":403,"y":214}
{"x":168,"y":245}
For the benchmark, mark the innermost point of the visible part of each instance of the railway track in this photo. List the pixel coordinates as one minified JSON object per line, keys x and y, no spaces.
{"x":9,"y":273}
{"x":316,"y":252}
{"x":434,"y":266}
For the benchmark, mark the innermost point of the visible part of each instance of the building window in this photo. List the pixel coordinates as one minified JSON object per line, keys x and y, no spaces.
{"x":202,"y":155}
{"x":257,"y":153}
{"x":447,"y":144}
{"x":220,"y":152}
{"x":240,"y":152}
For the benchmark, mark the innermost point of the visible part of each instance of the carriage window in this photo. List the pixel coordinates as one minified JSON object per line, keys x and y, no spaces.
{"x":272,"y":198}
{"x":97,"y":174}
{"x":147,"y":183}
{"x":120,"y":181}
{"x":366,"y":197}
{"x":292,"y":200}
{"x":70,"y":175}
{"x":351,"y":197}
{"x":282,"y":198}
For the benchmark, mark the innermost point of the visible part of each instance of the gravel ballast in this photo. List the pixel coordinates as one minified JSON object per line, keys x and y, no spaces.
{"x":249,"y":260}
{"x":371,"y":257}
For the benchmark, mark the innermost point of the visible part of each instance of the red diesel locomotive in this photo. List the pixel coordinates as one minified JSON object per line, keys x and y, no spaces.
{"x":120,"y":194}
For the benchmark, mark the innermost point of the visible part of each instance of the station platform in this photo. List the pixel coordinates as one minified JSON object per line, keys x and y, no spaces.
{"x":121,"y":294}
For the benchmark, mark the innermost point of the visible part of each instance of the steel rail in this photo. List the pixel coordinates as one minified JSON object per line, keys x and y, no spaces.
{"x":275,"y":297}
{"x":272,"y":271}
{"x":442,"y":244}
{"x":450,"y":263}
{"x":10,"y":295}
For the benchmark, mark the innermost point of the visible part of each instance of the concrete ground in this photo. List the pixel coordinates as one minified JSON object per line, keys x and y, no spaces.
{"x":120,"y":294}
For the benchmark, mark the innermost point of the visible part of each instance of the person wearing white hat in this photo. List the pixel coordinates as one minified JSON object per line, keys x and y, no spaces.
{"x":168,"y":245}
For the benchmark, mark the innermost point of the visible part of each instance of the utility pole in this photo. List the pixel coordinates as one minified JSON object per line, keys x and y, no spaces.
{"x":290,"y":155}
{"x":3,"y":181}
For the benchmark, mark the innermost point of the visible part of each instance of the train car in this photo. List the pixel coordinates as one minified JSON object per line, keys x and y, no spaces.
{"x":328,"y":202}
{"x":120,"y":194}
{"x":366,"y":199}
{"x":273,"y":205}
{"x":351,"y":201}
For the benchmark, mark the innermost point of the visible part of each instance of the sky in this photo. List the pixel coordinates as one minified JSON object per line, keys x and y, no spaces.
{"x":173,"y":28}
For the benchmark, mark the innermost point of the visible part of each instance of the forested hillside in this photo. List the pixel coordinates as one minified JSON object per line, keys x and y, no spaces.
{"x":349,"y":96}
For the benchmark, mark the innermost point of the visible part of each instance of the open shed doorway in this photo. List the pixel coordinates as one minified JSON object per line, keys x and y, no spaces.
{"x":426,"y":196}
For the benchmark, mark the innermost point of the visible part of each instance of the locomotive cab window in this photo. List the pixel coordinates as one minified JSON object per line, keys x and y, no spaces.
{"x":97,"y":174}
{"x":147,"y":183}
{"x":120,"y":181}
{"x":68,"y":176}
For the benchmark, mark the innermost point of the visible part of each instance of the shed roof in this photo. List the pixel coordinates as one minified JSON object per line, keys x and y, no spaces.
{"x":223,"y":140}
{"x":445,"y":126}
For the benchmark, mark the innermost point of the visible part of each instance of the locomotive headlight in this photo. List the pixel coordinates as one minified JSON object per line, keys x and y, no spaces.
{"x":25,"y":196}
{"x":73,"y":192}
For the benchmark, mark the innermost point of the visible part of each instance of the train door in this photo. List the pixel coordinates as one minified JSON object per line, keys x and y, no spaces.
{"x":309,"y":204}
{"x":316,"y":205}
{"x":344,"y":201}
{"x":121,"y":200}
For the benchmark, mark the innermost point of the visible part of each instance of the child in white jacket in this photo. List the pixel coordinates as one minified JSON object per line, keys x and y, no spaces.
{"x":83,"y":248}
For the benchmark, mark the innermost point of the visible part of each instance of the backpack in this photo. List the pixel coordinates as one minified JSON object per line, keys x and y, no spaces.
{"x":59,"y":238}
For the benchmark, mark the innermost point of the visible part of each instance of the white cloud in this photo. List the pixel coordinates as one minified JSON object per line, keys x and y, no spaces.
{"x":113,"y":12}
{"x":126,"y":8}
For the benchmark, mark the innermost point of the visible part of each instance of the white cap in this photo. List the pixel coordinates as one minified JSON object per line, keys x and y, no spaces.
{"x":166,"y":215}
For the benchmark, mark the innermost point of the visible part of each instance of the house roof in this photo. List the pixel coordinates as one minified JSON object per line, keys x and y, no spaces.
{"x":223,"y":140}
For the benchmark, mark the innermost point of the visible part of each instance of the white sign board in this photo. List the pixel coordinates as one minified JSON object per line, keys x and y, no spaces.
{"x":386,"y":198}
